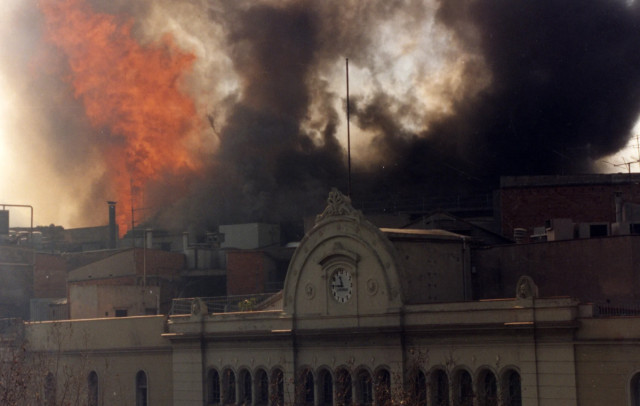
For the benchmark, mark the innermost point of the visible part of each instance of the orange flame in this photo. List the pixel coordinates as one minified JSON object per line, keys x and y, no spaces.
{"x":129,"y":89}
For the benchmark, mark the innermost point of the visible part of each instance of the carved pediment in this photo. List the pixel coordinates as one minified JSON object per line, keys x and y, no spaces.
{"x":338,"y":205}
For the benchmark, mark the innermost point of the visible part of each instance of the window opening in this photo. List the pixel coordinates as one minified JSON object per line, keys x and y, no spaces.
{"x":326,"y":388}
{"x":213,"y":387}
{"x":93,"y":389}
{"x":420,"y":389}
{"x":229,"y":387}
{"x":277,"y":388}
{"x":262,"y":388}
{"x":514,"y":394}
{"x":50,"y":390}
{"x":489,"y":390}
{"x":141,"y":388}
{"x":344,"y":390}
{"x":309,"y":386}
{"x":365,"y":388}
{"x":464,"y":389}
{"x":246,"y":387}
{"x":383,"y":387}
{"x":440,"y":388}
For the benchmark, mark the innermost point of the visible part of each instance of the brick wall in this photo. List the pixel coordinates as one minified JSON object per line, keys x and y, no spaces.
{"x":246,"y":272}
{"x":50,"y":276}
{"x":530,"y":206}
{"x":157,"y":262}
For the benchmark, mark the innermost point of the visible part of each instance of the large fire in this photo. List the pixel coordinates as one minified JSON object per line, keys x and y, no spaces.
{"x":130,"y":91}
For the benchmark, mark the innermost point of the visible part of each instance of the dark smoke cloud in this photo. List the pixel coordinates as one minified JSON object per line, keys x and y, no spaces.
{"x":565,"y":83}
{"x":270,"y":166}
{"x":565,"y":90}
{"x":451,"y":95}
{"x":267,"y":167}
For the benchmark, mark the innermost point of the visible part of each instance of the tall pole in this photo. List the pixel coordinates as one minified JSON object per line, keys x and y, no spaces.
{"x":133,"y":221}
{"x":638,"y":157}
{"x":348,"y":134}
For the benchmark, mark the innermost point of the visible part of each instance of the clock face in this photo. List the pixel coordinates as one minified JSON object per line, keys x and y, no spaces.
{"x":341,"y":285}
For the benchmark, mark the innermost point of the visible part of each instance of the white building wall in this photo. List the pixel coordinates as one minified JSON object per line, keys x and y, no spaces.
{"x":187,"y":374}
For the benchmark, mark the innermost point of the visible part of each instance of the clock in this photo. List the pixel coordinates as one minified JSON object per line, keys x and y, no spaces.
{"x":341,"y":285}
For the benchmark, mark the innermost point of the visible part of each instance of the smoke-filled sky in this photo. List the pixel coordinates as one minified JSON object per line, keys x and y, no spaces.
{"x":216,"y":112}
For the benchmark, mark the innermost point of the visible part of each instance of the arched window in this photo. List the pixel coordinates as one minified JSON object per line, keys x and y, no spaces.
{"x":305,"y":388}
{"x":419,"y":394}
{"x":49,"y":390}
{"x":439,"y":385}
{"x":262,"y":388}
{"x":487,"y":389}
{"x":463,"y":388}
{"x":383,"y":388}
{"x":92,"y":391}
{"x":512,"y":390}
{"x":325,"y":386}
{"x":213,"y":387}
{"x":344,"y":389}
{"x":229,"y":387}
{"x":246,"y":386}
{"x":635,"y":390}
{"x":277,"y":388}
{"x":364,"y":388}
{"x":141,"y":389}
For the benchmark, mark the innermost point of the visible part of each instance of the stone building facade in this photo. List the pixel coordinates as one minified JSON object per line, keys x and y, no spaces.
{"x":355,"y":328}
{"x":367,"y":316}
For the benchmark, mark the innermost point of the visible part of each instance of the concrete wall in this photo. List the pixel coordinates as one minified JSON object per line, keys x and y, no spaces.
{"x":128,"y":280}
{"x":116,"y":349}
{"x":607,"y":358}
{"x":596,"y":269}
{"x":102,"y":300}
{"x":438,"y":270}
{"x":120,"y":263}
{"x":250,"y":236}
{"x":131,"y":262}
{"x":16,"y":271}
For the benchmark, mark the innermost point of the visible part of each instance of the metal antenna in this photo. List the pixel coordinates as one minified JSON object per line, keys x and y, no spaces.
{"x":635,"y":160}
{"x":638,"y":148}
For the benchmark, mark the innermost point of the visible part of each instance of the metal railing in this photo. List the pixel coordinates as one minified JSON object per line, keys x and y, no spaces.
{"x":616,"y":309}
{"x":220,"y":304}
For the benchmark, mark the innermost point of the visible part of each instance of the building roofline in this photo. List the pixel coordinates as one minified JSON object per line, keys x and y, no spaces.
{"x":513,"y":182}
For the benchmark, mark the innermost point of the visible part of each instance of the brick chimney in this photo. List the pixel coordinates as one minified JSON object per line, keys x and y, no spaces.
{"x":113,"y":228}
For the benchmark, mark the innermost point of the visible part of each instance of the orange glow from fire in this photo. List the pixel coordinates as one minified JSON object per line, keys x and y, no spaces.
{"x":130,"y":91}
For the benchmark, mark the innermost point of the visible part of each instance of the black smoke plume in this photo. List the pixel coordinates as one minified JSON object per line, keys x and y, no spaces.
{"x":452,"y":94}
{"x":562,"y":90}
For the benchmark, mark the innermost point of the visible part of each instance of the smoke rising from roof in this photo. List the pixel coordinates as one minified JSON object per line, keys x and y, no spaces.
{"x":446,"y":96}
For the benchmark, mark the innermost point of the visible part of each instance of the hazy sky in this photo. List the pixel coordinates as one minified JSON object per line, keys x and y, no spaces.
{"x":235,"y":111}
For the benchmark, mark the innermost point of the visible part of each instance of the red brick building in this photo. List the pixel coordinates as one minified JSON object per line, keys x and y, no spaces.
{"x":527,"y":202}
{"x":256,"y":271}
{"x":50,"y":276}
